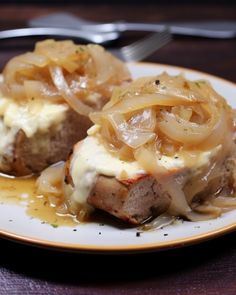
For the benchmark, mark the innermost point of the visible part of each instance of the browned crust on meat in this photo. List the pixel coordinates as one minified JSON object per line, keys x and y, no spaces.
{"x":136,"y":202}
{"x":67,"y":176}
{"x":32,"y":155}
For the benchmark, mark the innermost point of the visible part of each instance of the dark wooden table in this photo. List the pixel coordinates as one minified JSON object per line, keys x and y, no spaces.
{"x":208,"y":268}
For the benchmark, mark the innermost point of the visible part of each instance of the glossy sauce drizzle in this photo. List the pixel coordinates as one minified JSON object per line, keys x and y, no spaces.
{"x":22,"y":191}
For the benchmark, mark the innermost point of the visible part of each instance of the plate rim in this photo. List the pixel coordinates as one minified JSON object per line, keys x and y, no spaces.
{"x":150,"y":64}
{"x":131,"y":248}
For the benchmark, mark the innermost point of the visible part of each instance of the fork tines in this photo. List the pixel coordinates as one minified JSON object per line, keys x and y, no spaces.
{"x":146,"y":46}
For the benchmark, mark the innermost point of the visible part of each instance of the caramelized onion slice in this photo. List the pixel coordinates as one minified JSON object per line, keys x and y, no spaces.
{"x":36,"y":89}
{"x":188,"y":132}
{"x":50,"y":181}
{"x":131,"y":134}
{"x":145,"y":119}
{"x":197,"y":216}
{"x":33,"y":58}
{"x":224,"y":202}
{"x":159,"y":222}
{"x":137,"y":102}
{"x":107,"y":65}
{"x":63,"y":88}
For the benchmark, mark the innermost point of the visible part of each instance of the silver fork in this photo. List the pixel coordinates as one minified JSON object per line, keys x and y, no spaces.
{"x":85,"y":36}
{"x":209,"y":28}
{"x":142,"y":48}
{"x":134,"y":52}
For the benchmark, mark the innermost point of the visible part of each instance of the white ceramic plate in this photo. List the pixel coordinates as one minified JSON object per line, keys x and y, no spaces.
{"x":94,"y":237}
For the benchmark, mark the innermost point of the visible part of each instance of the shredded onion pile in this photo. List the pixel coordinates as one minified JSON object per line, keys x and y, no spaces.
{"x":171,"y":116}
{"x":82,"y":75}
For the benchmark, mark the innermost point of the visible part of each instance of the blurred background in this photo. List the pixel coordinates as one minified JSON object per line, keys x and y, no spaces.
{"x":191,"y":52}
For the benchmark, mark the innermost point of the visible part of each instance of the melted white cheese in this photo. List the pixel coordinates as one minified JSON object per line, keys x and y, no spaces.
{"x":91,"y":159}
{"x":31,"y":117}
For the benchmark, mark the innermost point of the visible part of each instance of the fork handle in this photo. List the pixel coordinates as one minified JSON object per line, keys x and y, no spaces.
{"x":60,"y":32}
{"x":211,"y":29}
